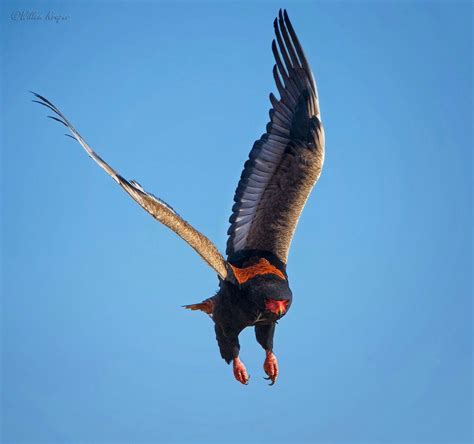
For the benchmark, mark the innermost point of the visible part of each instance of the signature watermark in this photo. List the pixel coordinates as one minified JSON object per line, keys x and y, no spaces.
{"x":35,"y":16}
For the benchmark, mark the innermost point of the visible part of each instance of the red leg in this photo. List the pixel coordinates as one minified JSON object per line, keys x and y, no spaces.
{"x":271,"y":366}
{"x":240,"y":372}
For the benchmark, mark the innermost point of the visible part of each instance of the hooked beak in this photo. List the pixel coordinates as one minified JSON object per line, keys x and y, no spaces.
{"x":276,"y":307}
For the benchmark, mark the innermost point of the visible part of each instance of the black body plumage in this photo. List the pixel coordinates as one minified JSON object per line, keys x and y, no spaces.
{"x":237,"y":306}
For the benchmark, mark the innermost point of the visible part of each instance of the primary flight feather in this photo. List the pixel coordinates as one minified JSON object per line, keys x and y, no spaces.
{"x":283,"y":166}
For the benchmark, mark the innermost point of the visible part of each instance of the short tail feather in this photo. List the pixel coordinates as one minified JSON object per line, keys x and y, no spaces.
{"x":206,"y":306}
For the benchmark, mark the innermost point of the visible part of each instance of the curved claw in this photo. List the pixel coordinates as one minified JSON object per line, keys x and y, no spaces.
{"x":270,"y":379}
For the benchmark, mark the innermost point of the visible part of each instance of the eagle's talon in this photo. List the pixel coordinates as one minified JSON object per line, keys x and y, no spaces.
{"x":240,"y":372}
{"x":271,"y":367}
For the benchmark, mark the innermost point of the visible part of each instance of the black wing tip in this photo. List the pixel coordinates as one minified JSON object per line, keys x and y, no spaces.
{"x":58,"y":120}
{"x":39,"y":96}
{"x":47,"y":105}
{"x":34,"y":93}
{"x":44,"y":101}
{"x":280,"y":16}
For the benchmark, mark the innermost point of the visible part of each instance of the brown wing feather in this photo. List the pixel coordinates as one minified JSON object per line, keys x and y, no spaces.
{"x":159,"y":209}
{"x":285,"y":163}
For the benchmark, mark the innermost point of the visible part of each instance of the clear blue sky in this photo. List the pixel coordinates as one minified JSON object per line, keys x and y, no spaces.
{"x":378,"y":344}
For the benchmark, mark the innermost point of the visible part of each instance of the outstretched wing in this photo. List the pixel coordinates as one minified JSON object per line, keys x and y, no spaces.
{"x":159,"y":209}
{"x":285,"y":163}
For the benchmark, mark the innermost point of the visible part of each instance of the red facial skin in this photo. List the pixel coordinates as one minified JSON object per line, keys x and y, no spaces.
{"x":276,"y":307}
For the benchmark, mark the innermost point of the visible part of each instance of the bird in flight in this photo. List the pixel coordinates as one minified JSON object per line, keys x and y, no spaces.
{"x":283,"y":166}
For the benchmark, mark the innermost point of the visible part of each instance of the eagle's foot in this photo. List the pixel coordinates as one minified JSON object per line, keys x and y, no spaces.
{"x":271,"y":367}
{"x":240,"y":372}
